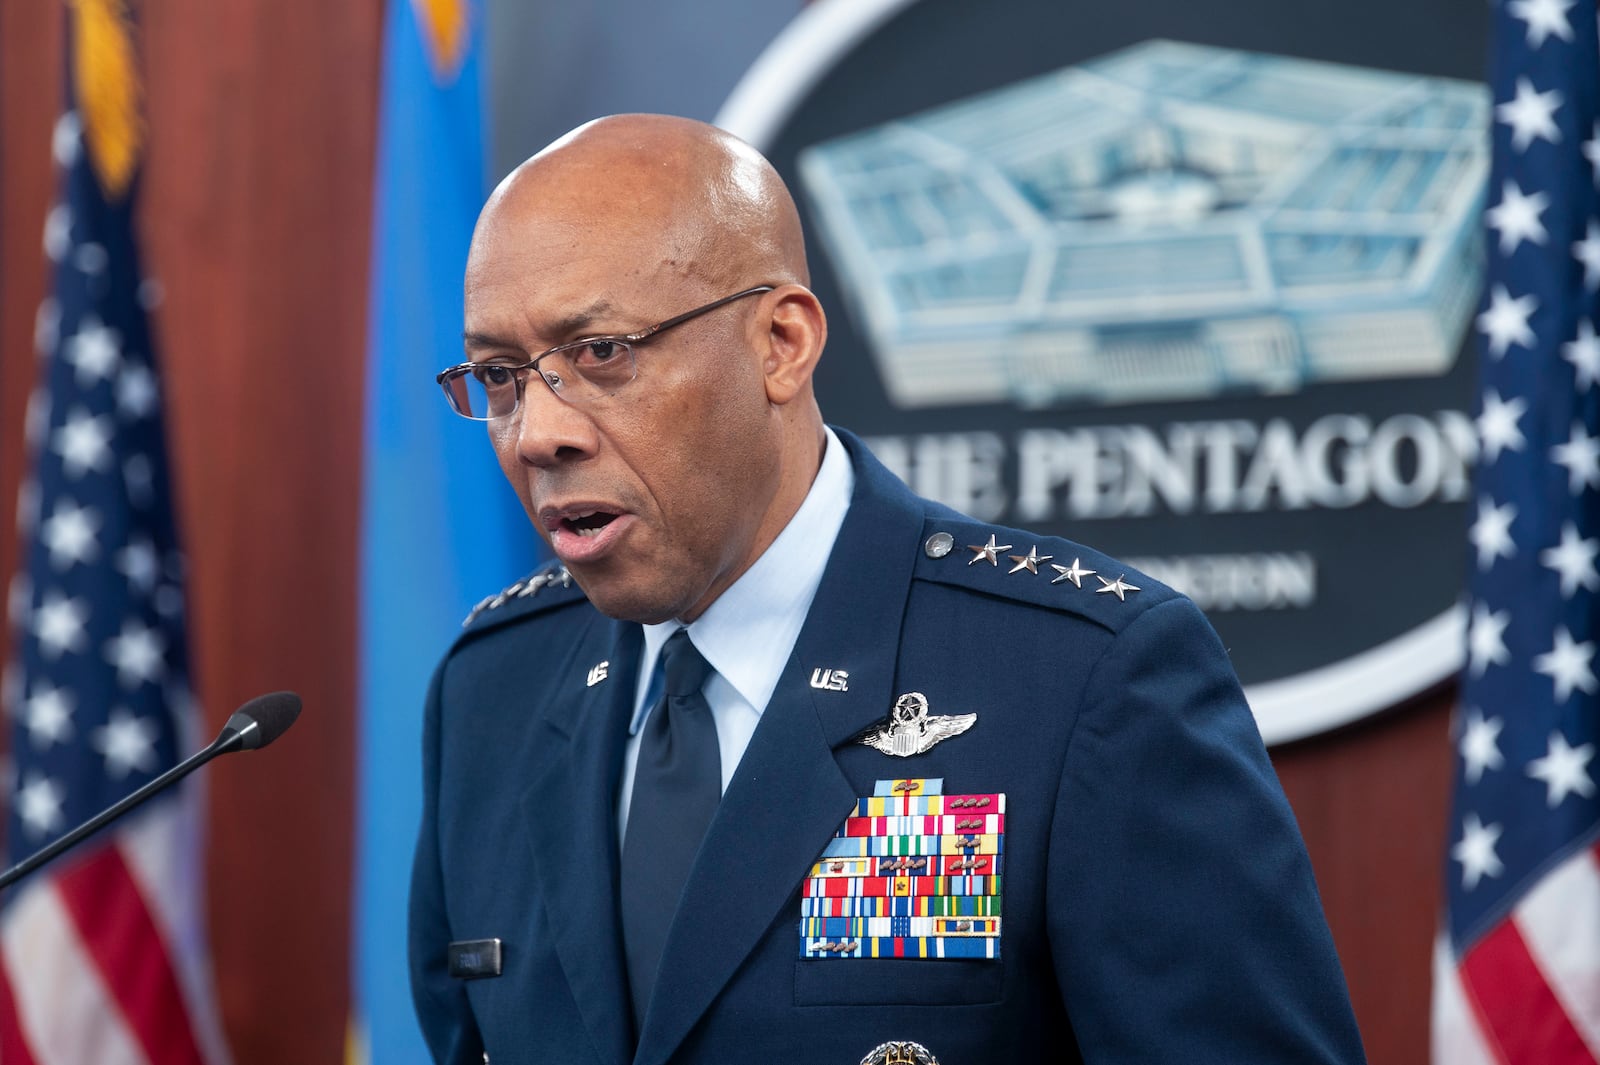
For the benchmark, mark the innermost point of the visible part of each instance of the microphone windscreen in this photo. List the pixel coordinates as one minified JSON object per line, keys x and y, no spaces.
{"x":265,"y":718}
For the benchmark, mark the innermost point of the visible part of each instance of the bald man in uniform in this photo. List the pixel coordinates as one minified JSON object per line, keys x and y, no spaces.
{"x":779,"y":762}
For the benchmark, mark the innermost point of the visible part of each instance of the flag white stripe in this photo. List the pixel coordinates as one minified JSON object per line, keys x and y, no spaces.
{"x":1457,"y":1039}
{"x":1560,"y":923}
{"x":65,"y":1010}
{"x":161,"y":849}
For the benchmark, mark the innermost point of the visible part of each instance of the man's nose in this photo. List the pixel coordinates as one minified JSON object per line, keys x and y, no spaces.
{"x":549,"y":429}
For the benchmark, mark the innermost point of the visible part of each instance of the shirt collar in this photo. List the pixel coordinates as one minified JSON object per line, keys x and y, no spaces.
{"x":748,"y":631}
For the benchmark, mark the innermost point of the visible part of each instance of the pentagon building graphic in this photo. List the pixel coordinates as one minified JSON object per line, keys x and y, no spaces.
{"x":1169,"y":221}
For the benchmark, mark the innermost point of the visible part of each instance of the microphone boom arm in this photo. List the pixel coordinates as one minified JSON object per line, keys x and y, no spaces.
{"x":111,"y":813}
{"x":256,"y":724}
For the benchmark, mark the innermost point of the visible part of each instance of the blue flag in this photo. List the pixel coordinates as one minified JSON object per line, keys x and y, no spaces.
{"x":441,"y":528}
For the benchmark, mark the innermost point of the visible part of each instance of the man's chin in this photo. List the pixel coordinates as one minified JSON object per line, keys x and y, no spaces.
{"x":620,"y":597}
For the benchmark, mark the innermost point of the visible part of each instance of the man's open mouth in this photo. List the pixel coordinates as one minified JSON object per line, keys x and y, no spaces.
{"x":588,"y":524}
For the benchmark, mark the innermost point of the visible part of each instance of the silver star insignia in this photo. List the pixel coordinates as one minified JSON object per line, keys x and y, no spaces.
{"x":1118,"y":587}
{"x":911,"y":730}
{"x":520,"y":590}
{"x":1030,"y":561}
{"x":1074,"y":573}
{"x":989,"y":552}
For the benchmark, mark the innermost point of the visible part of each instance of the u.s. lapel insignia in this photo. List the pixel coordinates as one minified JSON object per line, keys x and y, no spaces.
{"x":911,"y":730}
{"x":900,"y":1053}
{"x":830,"y":680}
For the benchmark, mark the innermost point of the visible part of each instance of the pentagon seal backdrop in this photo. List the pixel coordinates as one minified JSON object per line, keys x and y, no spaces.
{"x":1192,"y":282}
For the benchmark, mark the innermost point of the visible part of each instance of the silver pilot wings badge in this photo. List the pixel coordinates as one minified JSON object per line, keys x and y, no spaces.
{"x":911,"y":730}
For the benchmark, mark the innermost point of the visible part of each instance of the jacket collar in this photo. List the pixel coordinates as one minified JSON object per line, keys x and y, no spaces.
{"x":568,"y":810}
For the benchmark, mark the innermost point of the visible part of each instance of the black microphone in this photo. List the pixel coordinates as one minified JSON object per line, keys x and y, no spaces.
{"x":255,"y":724}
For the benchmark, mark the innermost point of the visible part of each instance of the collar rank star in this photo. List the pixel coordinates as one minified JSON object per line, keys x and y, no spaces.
{"x":911,"y":730}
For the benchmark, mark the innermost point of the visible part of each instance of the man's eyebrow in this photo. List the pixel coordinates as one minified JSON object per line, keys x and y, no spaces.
{"x":470,"y":340}
{"x":581,"y":321}
{"x":571,"y":326}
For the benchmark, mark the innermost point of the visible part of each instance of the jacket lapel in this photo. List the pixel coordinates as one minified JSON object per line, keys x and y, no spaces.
{"x":570,"y":811}
{"x":788,"y":795}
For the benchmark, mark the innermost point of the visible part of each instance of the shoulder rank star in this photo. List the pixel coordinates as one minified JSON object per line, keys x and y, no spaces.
{"x":522,"y":589}
{"x":1118,"y":587}
{"x":911,"y":730}
{"x":989,"y":552}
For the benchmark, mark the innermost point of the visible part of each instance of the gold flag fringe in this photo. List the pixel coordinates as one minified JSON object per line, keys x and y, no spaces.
{"x":110,"y":94}
{"x":444,"y":34}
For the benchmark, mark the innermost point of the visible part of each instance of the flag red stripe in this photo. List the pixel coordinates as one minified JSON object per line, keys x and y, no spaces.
{"x":1515,"y":1004}
{"x":104,"y":901}
{"x":13,"y":1048}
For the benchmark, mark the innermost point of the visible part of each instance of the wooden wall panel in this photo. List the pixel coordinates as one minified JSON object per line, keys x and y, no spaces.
{"x":1373,"y":802}
{"x":256,"y":206}
{"x":30,"y":78}
{"x":256,"y":209}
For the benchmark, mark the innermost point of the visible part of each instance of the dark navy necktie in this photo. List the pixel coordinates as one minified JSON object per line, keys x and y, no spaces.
{"x":676,"y":787}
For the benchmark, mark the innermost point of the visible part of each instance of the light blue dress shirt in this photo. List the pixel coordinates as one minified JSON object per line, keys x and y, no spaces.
{"x":748,"y":632}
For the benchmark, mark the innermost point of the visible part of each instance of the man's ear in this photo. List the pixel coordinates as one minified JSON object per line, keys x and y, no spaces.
{"x":796,"y":332}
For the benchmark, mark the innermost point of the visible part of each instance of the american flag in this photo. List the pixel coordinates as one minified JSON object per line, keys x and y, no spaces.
{"x":1517,"y":967}
{"x":102,"y":961}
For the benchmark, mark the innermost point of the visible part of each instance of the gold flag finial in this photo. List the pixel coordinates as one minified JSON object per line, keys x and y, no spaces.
{"x":444,"y":34}
{"x":108,"y":90}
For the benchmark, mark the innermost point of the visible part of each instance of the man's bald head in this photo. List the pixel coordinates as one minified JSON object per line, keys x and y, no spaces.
{"x":705,"y":198}
{"x":658,"y":468}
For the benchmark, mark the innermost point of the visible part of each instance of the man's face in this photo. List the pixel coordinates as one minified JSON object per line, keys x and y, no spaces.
{"x":653,"y":497}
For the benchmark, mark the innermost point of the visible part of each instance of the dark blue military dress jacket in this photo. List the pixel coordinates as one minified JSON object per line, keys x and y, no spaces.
{"x":1155,"y":901}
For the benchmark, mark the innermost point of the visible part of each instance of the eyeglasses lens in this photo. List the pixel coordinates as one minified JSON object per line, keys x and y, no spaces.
{"x":578,"y":373}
